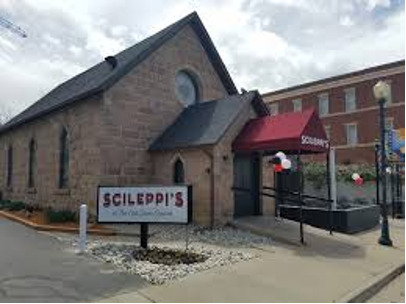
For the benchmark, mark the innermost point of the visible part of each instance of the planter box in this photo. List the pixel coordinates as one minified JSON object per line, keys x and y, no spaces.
{"x":343,"y":220}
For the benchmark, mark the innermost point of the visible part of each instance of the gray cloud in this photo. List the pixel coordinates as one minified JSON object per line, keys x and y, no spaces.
{"x":266,"y":44}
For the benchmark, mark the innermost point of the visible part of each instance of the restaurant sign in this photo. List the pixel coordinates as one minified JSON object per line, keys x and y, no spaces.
{"x":314,"y":141}
{"x":144,"y":204}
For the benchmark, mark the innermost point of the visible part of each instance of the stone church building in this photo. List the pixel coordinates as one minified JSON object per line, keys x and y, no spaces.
{"x":163,"y":111}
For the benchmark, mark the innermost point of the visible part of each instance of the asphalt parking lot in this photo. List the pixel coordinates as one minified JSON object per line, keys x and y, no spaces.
{"x":36,"y":267}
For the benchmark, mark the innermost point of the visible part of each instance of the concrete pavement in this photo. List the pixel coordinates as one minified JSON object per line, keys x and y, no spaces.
{"x":327,"y":270}
{"x":393,"y":293}
{"x":38,"y":268}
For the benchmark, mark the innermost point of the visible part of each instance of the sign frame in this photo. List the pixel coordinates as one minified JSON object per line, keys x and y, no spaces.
{"x":189,"y":189}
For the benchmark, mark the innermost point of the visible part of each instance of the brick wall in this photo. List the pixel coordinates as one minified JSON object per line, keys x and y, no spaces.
{"x":143,"y":104}
{"x":109,"y":135}
{"x":83,"y":124}
{"x":365,"y":116}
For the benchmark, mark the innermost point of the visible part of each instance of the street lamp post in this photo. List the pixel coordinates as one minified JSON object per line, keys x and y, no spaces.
{"x":381,"y":92}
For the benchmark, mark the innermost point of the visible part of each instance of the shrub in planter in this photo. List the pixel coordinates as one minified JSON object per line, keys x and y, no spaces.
{"x":15,"y":206}
{"x":4,"y":204}
{"x":61,"y":216}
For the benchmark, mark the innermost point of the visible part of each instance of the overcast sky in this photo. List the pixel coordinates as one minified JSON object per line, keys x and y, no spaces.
{"x":266,"y":45}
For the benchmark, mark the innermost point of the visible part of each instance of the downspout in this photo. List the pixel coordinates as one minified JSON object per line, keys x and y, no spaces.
{"x":211,"y":157}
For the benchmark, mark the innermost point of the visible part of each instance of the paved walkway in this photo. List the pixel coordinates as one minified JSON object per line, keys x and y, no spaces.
{"x":393,"y":293}
{"x":35,"y":267}
{"x":326,"y":270}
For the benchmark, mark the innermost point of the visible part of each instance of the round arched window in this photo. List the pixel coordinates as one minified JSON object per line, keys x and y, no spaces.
{"x":186,"y":89}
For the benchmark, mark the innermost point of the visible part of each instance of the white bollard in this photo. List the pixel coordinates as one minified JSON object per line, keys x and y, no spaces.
{"x":82,"y":228}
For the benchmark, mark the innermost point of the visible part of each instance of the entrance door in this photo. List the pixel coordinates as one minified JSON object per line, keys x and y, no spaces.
{"x":246,"y":185}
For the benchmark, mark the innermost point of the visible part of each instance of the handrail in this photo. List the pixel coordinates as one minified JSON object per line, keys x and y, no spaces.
{"x":295,"y":200}
{"x":296,"y":193}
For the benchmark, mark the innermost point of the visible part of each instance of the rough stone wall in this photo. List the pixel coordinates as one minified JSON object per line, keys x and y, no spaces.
{"x":82,"y":122}
{"x":143,"y":104}
{"x":223,"y":168}
{"x":198,"y":167}
{"x":197,"y":173}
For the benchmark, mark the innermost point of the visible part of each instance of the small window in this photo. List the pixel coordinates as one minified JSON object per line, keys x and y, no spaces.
{"x":274,"y":108}
{"x":297,"y":105}
{"x":178,"y":172}
{"x":186,"y":88}
{"x":323,"y":104}
{"x":32,"y":164}
{"x":352,"y":136}
{"x":350,"y":100}
{"x":9,"y":166}
{"x":327,"y":129}
{"x":64,"y":160}
{"x":390,"y":92}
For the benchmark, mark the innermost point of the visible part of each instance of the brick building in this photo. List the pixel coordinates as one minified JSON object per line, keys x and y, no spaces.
{"x":348,"y":108}
{"x":163,"y":111}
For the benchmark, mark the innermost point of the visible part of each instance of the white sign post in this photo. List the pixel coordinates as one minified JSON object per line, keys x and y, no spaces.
{"x":333,"y":179}
{"x":82,"y":228}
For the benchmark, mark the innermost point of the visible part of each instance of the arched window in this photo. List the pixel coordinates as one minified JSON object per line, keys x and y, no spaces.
{"x":9,"y":166}
{"x":32,"y":163}
{"x":64,"y":160}
{"x":178,"y":172}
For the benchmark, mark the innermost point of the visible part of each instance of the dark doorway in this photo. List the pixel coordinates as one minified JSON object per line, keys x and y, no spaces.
{"x":246,"y":185}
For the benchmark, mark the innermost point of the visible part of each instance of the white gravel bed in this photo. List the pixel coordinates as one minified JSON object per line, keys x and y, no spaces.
{"x":120,"y":256}
{"x":223,"y":246}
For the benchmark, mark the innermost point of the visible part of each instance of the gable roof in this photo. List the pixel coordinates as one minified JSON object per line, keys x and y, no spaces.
{"x":102,"y":76}
{"x":289,"y":132}
{"x":206,"y":122}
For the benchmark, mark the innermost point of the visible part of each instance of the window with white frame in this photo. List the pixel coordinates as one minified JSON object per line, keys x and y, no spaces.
{"x":274,"y":108}
{"x":327,"y":129}
{"x":352,"y":136}
{"x":323,"y":104}
{"x":350,"y":100}
{"x":297,"y":105}
{"x":390,"y":92}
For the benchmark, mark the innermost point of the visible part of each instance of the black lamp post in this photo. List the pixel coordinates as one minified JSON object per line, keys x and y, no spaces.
{"x":381,"y":92}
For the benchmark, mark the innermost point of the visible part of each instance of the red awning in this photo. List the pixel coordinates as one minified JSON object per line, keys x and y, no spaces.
{"x":289,"y":132}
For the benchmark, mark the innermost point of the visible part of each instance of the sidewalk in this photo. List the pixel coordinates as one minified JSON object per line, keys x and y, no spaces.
{"x":326,"y":270}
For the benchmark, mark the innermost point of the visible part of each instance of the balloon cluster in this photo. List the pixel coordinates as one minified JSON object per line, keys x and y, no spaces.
{"x":281,"y":162}
{"x":358,"y":180}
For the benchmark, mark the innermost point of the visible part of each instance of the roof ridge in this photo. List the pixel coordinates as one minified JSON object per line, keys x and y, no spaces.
{"x":101,"y":76}
{"x":332,"y":78}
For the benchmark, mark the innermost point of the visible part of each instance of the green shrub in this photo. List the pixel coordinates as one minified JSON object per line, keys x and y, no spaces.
{"x":316,"y":173}
{"x":12,"y":206}
{"x":61,"y":216}
{"x":4,"y":204}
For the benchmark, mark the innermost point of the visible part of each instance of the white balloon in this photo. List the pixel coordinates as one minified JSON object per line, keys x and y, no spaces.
{"x":355,"y":176}
{"x":388,"y":170}
{"x":281,"y":155}
{"x":286,"y":163}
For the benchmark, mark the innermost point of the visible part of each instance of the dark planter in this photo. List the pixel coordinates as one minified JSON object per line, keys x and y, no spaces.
{"x":350,"y":220}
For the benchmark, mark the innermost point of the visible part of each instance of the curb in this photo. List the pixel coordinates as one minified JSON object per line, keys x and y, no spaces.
{"x":372,"y":287}
{"x":54,"y":228}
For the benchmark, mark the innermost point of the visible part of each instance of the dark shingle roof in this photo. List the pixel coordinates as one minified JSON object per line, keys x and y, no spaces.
{"x":101,"y":76}
{"x":205,"y":123}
